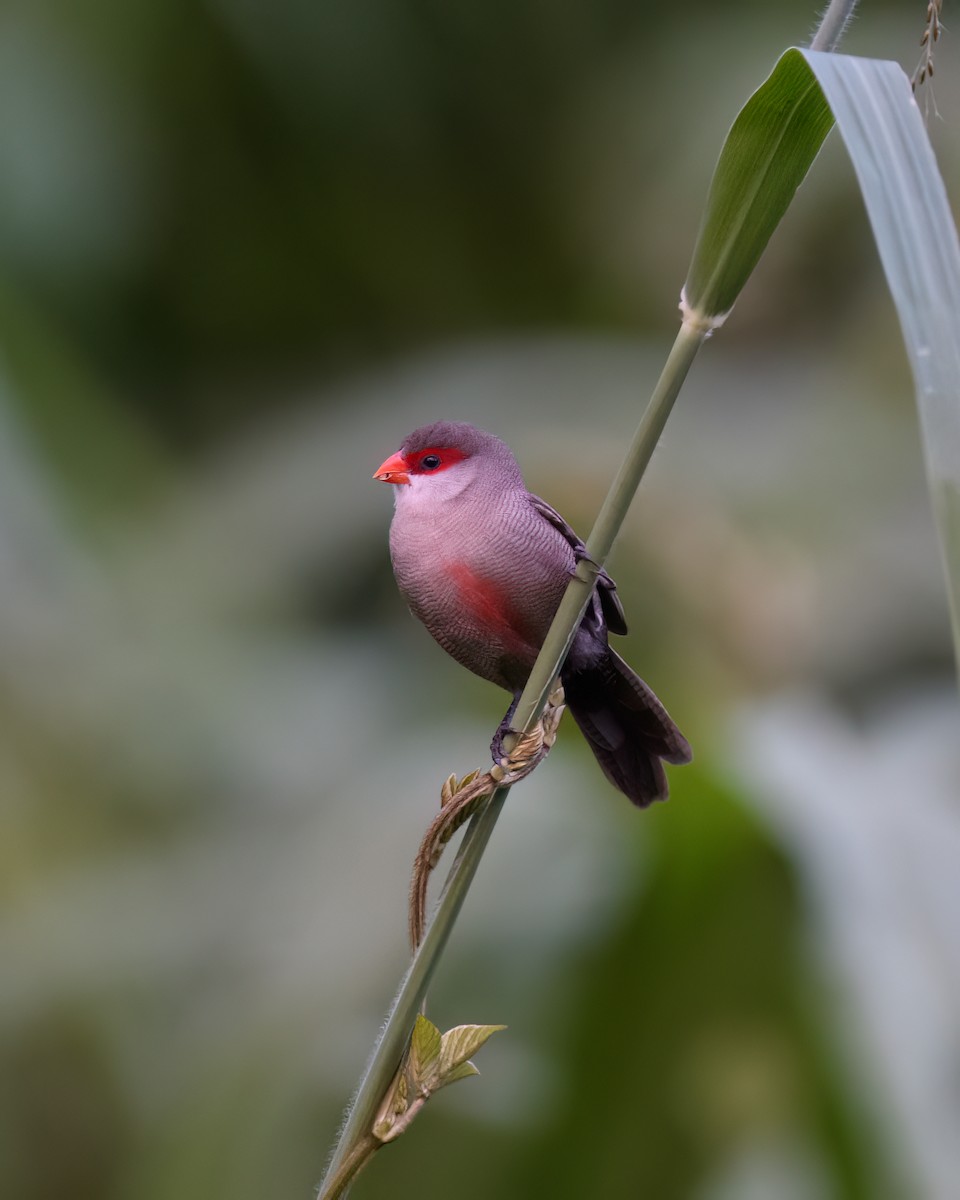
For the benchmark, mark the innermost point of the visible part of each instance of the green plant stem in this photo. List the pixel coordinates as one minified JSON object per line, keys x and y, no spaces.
{"x":606,"y":527}
{"x":393,"y":1040}
{"x":396,"y":1032}
{"x":835,"y":20}
{"x":337,"y":1183}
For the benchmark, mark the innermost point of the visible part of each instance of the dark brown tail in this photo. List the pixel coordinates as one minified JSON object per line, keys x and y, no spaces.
{"x":627,"y":727}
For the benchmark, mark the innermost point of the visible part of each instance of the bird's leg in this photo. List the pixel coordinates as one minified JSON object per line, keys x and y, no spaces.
{"x":496,"y":746}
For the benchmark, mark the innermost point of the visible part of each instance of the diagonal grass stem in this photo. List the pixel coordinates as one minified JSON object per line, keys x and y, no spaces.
{"x":393,"y":1039}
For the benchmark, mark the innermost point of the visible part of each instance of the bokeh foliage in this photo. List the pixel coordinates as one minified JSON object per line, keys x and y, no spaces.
{"x":242,"y":248}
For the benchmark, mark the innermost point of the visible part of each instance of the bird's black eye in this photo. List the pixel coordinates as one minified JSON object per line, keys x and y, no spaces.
{"x":430,"y":462}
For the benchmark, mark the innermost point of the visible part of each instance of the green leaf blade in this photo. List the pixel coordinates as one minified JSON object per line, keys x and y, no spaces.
{"x":764,"y":159}
{"x":767,"y":153}
{"x":917,"y":241}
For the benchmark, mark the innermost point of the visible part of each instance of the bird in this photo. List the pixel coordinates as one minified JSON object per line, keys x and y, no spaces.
{"x":483,"y":563}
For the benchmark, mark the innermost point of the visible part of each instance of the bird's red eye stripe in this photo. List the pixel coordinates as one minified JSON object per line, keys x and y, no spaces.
{"x":433,"y":459}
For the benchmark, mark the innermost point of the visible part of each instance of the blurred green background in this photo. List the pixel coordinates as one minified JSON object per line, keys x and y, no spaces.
{"x":246,"y":247}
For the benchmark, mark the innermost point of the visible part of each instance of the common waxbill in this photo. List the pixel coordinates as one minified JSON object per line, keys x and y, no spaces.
{"x":484,"y":563}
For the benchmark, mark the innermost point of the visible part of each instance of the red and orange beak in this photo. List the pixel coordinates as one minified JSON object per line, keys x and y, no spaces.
{"x":394,"y":470}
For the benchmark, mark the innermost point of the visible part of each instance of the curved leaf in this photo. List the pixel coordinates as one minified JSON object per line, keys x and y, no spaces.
{"x":765,"y":157}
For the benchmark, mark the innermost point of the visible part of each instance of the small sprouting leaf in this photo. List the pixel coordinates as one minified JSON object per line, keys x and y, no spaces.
{"x":460,"y":1043}
{"x":464,"y":1071}
{"x":432,"y":1062}
{"x":425,"y":1051}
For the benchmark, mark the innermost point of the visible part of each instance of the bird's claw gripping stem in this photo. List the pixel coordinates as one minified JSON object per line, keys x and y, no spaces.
{"x":580,"y":555}
{"x":530,"y":748}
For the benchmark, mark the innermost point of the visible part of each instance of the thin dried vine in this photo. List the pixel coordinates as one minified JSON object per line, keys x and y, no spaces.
{"x":459,"y":800}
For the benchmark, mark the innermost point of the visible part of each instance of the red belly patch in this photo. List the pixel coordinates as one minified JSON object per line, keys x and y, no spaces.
{"x":490,"y":605}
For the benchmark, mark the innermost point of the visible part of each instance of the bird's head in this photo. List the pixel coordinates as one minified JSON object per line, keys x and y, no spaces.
{"x":442,"y":459}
